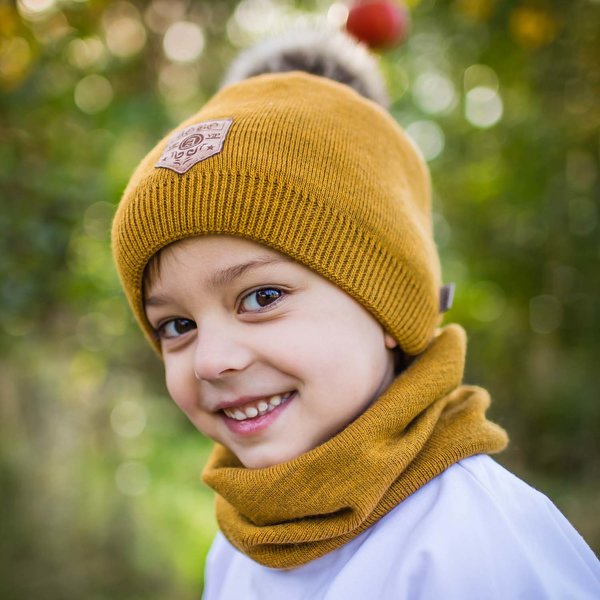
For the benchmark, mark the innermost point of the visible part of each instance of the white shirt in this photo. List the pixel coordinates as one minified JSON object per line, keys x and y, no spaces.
{"x":475,"y":532}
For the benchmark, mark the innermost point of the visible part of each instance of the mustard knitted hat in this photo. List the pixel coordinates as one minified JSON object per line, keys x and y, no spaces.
{"x":308,"y":167}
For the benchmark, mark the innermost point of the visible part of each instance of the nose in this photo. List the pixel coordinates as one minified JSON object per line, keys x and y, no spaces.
{"x":219,"y":352}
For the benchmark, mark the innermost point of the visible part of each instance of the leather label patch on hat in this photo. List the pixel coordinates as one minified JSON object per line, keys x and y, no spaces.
{"x":193,"y":144}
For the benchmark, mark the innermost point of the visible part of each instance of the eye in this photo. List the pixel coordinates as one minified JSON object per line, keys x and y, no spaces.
{"x":258,"y":300}
{"x":174,"y":328}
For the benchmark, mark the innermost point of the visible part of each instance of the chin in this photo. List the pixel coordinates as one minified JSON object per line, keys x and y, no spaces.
{"x":263,"y":459}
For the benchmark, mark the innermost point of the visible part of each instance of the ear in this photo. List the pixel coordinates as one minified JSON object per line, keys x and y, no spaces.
{"x":390,"y":342}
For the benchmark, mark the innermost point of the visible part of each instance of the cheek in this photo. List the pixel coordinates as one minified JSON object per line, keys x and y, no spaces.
{"x":352,"y":337}
{"x":335,"y":352}
{"x":180,"y":386}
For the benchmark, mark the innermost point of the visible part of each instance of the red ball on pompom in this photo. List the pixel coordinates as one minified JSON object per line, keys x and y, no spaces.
{"x":378,"y":23}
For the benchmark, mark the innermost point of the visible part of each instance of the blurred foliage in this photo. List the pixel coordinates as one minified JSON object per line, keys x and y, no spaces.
{"x":99,"y":473}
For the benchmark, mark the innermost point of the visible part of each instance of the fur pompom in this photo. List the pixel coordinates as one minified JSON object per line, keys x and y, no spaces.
{"x":326,"y":52}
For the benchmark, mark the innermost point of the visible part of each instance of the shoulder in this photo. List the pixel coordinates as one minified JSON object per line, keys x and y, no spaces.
{"x":477,"y":530}
{"x":482,"y":498}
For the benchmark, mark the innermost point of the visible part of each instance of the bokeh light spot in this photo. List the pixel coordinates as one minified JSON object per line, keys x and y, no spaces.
{"x":51,"y":28}
{"x":254,"y":18}
{"x":93,"y":94}
{"x":15,"y":56}
{"x":34,"y":9}
{"x":161,"y":14}
{"x":124,"y":31}
{"x":84,"y":53}
{"x":483,"y":107}
{"x":434,"y":93}
{"x":533,"y":27}
{"x":125,"y":37}
{"x":480,"y":76}
{"x":128,"y":419}
{"x":428,"y":136}
{"x":183,"y":42}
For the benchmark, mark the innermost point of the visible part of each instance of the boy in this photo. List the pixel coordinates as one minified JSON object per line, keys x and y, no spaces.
{"x":277,"y":251}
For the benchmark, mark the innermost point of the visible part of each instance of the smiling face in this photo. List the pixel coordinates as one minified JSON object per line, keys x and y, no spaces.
{"x":262,"y":354}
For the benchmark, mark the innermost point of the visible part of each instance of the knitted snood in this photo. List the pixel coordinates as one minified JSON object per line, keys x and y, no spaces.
{"x":289,"y":514}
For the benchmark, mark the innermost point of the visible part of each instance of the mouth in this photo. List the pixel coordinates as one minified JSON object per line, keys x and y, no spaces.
{"x":257,"y":408}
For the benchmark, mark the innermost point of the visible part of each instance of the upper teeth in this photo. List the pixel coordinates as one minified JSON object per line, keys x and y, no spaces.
{"x":256,"y":408}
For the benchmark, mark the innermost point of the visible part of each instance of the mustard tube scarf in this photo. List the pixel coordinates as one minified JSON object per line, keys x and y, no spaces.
{"x":288,"y":514}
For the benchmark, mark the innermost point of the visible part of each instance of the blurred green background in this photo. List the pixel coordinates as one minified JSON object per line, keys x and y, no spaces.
{"x":100,"y":489}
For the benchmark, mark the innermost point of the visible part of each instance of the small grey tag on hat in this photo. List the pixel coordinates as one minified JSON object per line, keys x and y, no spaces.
{"x":193,"y":144}
{"x":446,"y":296}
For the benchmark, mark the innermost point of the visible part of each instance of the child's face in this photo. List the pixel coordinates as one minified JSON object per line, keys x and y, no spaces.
{"x":262,"y":354}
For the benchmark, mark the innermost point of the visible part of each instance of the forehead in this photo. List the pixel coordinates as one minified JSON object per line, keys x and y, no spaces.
{"x":219,"y":257}
{"x":217,"y":246}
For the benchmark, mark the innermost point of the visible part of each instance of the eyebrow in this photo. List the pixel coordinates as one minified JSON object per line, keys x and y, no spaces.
{"x":223,"y":277}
